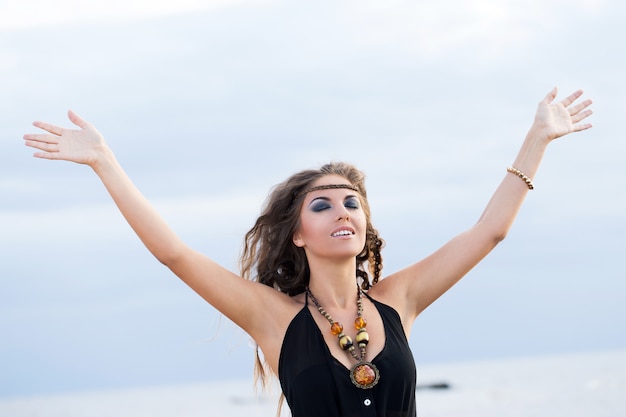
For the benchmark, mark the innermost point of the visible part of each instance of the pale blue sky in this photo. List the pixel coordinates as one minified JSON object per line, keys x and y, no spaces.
{"x":207,"y":107}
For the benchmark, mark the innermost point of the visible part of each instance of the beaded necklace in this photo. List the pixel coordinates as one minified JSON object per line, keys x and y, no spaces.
{"x":363,"y":374}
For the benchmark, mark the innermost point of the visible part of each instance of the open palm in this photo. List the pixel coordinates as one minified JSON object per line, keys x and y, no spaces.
{"x":559,"y":119}
{"x":77,"y":145}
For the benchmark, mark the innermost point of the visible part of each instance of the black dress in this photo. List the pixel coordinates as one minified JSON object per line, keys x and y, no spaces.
{"x":315,"y":384}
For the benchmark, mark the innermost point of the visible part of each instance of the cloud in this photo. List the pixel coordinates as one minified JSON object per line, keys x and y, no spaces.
{"x":30,"y":13}
{"x":15,"y":184}
{"x":434,"y":29}
{"x":191,"y":214}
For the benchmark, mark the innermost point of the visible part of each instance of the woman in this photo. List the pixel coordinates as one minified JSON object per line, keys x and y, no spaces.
{"x":318,"y":255}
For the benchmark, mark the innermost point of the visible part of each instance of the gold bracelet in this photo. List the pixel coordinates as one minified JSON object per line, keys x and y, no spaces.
{"x":523,"y":176}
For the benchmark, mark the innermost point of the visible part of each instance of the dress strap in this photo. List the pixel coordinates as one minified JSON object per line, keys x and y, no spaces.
{"x":368,"y":296}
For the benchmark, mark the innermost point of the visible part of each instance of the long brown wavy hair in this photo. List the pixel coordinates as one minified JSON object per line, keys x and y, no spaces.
{"x":269,"y":255}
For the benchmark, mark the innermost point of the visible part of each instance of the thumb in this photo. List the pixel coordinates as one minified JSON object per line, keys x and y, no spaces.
{"x":77,"y":120}
{"x":551,"y":95}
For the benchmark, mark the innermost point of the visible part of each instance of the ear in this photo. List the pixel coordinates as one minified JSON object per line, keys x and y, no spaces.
{"x":297,"y":239}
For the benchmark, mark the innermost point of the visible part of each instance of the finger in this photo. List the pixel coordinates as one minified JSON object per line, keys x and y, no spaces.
{"x":579,"y":107}
{"x":50,"y":150}
{"x":42,"y":138}
{"x":46,"y":155}
{"x":578,"y":128}
{"x":571,"y":98}
{"x":43,"y":146}
{"x":77,"y":120}
{"x":55,"y":130}
{"x":551,"y":95}
{"x":581,"y":116}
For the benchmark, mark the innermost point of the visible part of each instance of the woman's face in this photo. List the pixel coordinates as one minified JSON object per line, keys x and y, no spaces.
{"x":332,"y":221}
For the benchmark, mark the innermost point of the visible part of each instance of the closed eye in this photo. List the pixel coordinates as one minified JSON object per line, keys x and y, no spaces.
{"x":352,"y":203}
{"x":320,"y":205}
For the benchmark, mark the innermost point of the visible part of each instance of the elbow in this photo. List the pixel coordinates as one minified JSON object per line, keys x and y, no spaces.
{"x":492,"y":233}
{"x":164,"y":261}
{"x":498,"y":238}
{"x":172,"y":256}
{"x":497,"y":234}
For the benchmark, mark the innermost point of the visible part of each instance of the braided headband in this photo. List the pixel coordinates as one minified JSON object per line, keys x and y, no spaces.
{"x":328,"y":187}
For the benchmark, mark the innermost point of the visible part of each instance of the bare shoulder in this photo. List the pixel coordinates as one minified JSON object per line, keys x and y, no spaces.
{"x":392,"y":290}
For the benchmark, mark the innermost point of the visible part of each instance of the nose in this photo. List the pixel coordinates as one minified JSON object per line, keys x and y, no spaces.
{"x":344,"y":214}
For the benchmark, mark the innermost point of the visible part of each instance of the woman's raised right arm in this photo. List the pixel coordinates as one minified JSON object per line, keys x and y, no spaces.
{"x":87,"y":146}
{"x":229,"y":293}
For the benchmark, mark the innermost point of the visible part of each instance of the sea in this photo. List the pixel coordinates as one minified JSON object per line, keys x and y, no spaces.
{"x":571,"y":385}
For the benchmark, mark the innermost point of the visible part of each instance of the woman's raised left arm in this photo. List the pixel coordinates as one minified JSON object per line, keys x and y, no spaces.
{"x":429,"y":278}
{"x":552,"y":121}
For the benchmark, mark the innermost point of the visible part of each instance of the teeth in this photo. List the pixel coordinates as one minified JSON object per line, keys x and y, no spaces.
{"x":342,"y":233}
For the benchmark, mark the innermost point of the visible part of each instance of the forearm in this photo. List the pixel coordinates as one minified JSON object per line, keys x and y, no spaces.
{"x":505,"y":203}
{"x":552,"y":120}
{"x":146,"y":222}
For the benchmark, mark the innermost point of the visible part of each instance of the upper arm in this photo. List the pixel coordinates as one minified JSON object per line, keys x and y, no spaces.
{"x":415,"y":287}
{"x":248,"y":304}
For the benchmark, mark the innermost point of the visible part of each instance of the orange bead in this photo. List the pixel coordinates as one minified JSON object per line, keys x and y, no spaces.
{"x":359,"y":323}
{"x":336,"y":328}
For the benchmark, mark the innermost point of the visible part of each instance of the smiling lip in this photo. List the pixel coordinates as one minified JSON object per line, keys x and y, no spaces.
{"x":343,"y":232}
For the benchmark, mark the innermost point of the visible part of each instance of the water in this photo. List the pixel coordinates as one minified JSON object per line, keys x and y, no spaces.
{"x":590,"y":385}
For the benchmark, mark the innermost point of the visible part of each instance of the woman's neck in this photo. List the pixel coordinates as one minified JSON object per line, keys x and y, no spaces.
{"x":334,"y":285}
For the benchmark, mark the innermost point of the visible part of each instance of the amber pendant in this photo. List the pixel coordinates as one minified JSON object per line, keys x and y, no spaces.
{"x":364,"y":375}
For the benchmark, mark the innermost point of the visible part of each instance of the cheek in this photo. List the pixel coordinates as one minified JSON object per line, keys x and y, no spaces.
{"x":363,"y":226}
{"x":306,"y":228}
{"x":361,"y":220}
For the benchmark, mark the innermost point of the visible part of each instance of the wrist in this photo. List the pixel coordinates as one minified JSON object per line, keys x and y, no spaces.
{"x":540,"y":134}
{"x":531,"y":152}
{"x":103,"y":160}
